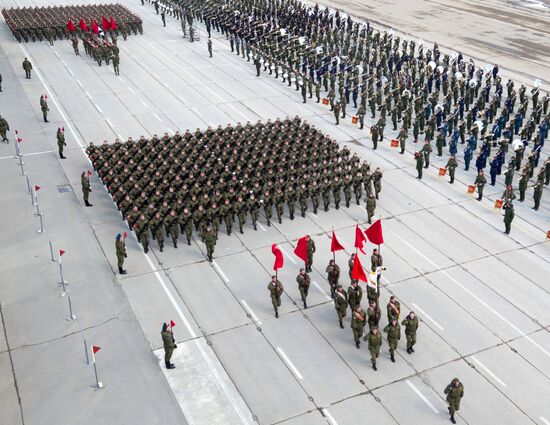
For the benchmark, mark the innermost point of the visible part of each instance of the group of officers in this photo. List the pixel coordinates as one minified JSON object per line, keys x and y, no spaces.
{"x":100,"y":49}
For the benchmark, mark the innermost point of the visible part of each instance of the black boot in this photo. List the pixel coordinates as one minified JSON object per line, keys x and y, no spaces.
{"x":357,"y":344}
{"x":276,"y":314}
{"x":409,"y":350}
{"x":412,"y":350}
{"x":161,"y":247}
{"x":175,"y":244}
{"x":88,"y":204}
{"x":305,"y":305}
{"x":374,"y":366}
{"x":121,"y":270}
{"x":453,"y":419}
{"x":169,"y":365}
{"x":392,"y":358}
{"x":341,"y":325}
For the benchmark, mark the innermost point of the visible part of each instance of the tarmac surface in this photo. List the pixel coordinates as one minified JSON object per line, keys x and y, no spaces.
{"x":482,"y":296}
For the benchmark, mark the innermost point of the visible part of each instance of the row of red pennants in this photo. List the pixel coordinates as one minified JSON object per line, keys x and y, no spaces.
{"x":373,"y":234}
{"x":106,"y":24}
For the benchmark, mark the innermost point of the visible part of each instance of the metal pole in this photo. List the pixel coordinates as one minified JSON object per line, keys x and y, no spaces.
{"x":29,"y":186}
{"x":51,"y":252}
{"x":38,"y":209}
{"x":97,"y":382}
{"x":41,"y":230}
{"x":72,"y":316}
{"x":63,"y":281}
{"x":86,"y":351}
{"x":21,"y":163}
{"x":34,"y":196}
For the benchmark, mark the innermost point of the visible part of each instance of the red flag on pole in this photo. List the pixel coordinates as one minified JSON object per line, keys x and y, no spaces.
{"x":105,"y":24}
{"x":279,"y":261}
{"x":125,"y":235}
{"x":61,"y":252}
{"x":172,"y":323}
{"x":335,"y":245}
{"x":95,"y":27}
{"x":301,"y":248}
{"x":113,"y":24}
{"x":359,"y":238}
{"x":89,"y":173}
{"x":16,"y":132}
{"x":374,"y":233}
{"x":357,"y":272}
{"x":82,"y":25}
{"x":70,"y":26}
{"x":36,"y":188}
{"x":19,"y":140}
{"x":95,"y":348}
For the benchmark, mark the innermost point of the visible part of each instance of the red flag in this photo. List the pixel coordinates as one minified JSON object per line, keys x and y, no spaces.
{"x":105,"y":24}
{"x":359,"y":238}
{"x":113,"y":24}
{"x":63,"y":129}
{"x":89,"y":173}
{"x":374,"y":233}
{"x":301,"y":248}
{"x":61,"y":252}
{"x":70,"y":26}
{"x":36,"y":188}
{"x":172,"y":323}
{"x":16,"y":132}
{"x":335,"y":245}
{"x":95,"y":349}
{"x":357,"y":272}
{"x":95,"y":27}
{"x":125,"y":235}
{"x":278,"y":257}
{"x":82,"y":25}
{"x":19,"y":140}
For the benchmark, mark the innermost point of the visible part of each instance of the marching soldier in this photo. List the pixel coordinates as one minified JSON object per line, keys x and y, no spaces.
{"x":169,"y":344}
{"x":27,"y":66}
{"x":142,"y":232}
{"x":157,"y":229}
{"x":61,"y":142}
{"x":340,"y":303}
{"x":358,"y":321}
{"x":172,"y":227}
{"x":275,"y":289}
{"x":120,"y":247}
{"x":454,"y":392}
{"x":350,"y":265}
{"x":4,"y":127}
{"x":393,"y":329}
{"x":393,"y":309}
{"x":209,"y":44}
{"x":375,"y":342}
{"x":371,"y":207}
{"x":411,"y":326}
{"x":355,"y":293}
{"x":44,"y":107}
{"x":333,"y":271}
{"x":86,"y":187}
{"x":310,"y":251}
{"x":304,"y":282}
{"x":209,"y":238}
{"x":116,"y":61}
{"x":373,"y":314}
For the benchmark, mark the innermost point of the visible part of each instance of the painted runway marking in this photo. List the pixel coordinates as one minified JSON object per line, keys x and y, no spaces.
{"x":156,"y":116}
{"x":424,"y":314}
{"x":327,"y":296}
{"x":252,"y":314}
{"x":329,"y":417}
{"x":70,"y":71}
{"x":544,"y":420}
{"x":289,"y":363}
{"x":169,"y":130}
{"x":422,"y":397}
{"x":262,"y":227}
{"x":143,"y":103}
{"x":131,"y":90}
{"x":292,"y":260}
{"x":88,"y":94}
{"x":220,"y":271}
{"x":109,"y":122}
{"x":79,"y":83}
{"x":26,"y":154}
{"x":98,"y":108}
{"x":491,"y":374}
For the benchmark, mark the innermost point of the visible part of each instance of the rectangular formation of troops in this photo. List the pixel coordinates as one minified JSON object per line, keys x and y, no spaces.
{"x":49,"y":23}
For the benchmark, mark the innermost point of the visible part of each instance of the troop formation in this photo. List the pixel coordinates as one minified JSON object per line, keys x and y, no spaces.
{"x":203,"y":179}
{"x":50,"y":23}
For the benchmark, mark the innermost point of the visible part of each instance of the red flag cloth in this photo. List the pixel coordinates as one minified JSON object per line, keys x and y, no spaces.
{"x":95,"y":27}
{"x":357,"y":272}
{"x":278,"y":257}
{"x":61,"y":252}
{"x":301,"y":248}
{"x":16,"y":132}
{"x":113,"y":24}
{"x":19,"y":140}
{"x":95,"y":349}
{"x":172,"y":324}
{"x":105,"y":24}
{"x":70,"y":26}
{"x":125,"y":235}
{"x":374,"y":233}
{"x":82,"y":25}
{"x":359,"y":238}
{"x":89,"y":173}
{"x":36,"y":188}
{"x":335,"y":245}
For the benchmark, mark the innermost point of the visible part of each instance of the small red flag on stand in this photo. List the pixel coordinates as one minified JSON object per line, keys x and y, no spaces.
{"x":279,"y":261}
{"x":172,"y":323}
{"x":89,"y":173}
{"x":125,"y":235}
{"x":301,"y":248}
{"x":357,"y":272}
{"x":335,"y":245}
{"x":61,"y":252}
{"x":95,"y":348}
{"x":36,"y":188}
{"x":359,"y":238}
{"x":70,"y":26}
{"x":374,"y":233}
{"x":19,"y":140}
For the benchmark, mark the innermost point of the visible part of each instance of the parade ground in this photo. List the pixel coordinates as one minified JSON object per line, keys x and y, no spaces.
{"x":482,"y":296}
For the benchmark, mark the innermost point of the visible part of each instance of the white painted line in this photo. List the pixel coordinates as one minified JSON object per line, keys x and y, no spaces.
{"x":27,"y":154}
{"x":180,"y":97}
{"x":98,"y":108}
{"x":491,"y":374}
{"x":131,"y":90}
{"x":424,"y":314}
{"x":197,"y":111}
{"x":109,"y":122}
{"x":120,"y":137}
{"x":215,"y":94}
{"x":169,"y":130}
{"x":220,"y":271}
{"x":239,"y":112}
{"x":79,"y":83}
{"x":327,"y":296}
{"x":289,"y":363}
{"x":422,"y":397}
{"x":329,"y":417}
{"x":63,"y":62}
{"x":546,"y":422}
{"x":55,"y":53}
{"x":156,"y":116}
{"x":292,"y":260}
{"x":88,"y":94}
{"x":252,"y":314}
{"x":262,"y":227}
{"x":143,"y":103}
{"x":70,"y":71}
{"x":312,"y":216}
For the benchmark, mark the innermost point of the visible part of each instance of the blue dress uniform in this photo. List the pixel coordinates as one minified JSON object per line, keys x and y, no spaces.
{"x":468,"y":154}
{"x":493,"y":171}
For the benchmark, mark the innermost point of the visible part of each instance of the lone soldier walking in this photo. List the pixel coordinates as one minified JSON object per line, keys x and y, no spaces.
{"x":340,"y":303}
{"x":61,"y":142}
{"x":4,"y":126}
{"x":44,"y":108}
{"x":508,"y":216}
{"x":275,"y":289}
{"x":120,"y":246}
{"x":455,"y":392}
{"x":209,"y":238}
{"x":169,"y":344}
{"x":358,"y":321}
{"x":304,"y":281}
{"x":333,"y":271}
{"x":209,"y":44}
{"x":116,"y":61}
{"x":393,"y":329}
{"x":27,"y":66}
{"x":86,"y":188}
{"x":374,"y":339}
{"x":411,"y":325}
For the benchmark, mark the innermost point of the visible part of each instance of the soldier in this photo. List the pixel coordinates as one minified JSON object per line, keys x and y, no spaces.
{"x":508,"y":216}
{"x":86,"y":188}
{"x":336,"y":110}
{"x":480,"y":183}
{"x":209,"y":238}
{"x":4,"y":127}
{"x":454,"y":392}
{"x":374,"y":134}
{"x":393,"y":309}
{"x":209,"y":44}
{"x":537,"y":194}
{"x":358,"y":321}
{"x":116,"y":61}
{"x":226,"y":212}
{"x":419,"y":164}
{"x":340,"y":303}
{"x":241,"y":208}
{"x":377,"y":181}
{"x":371,"y":207}
{"x":142,"y":232}
{"x":393,"y":329}
{"x":157,"y":229}
{"x":508,"y":195}
{"x":74,"y":41}
{"x":426,"y":151}
{"x":350,"y":264}
{"x":374,"y":314}
{"x":304,"y":282}
{"x":275,"y":289}
{"x":120,"y":247}
{"x":258,"y":65}
{"x":402,"y":137}
{"x":44,"y":107}
{"x":310,"y":251}
{"x":375,"y":342}
{"x":411,"y":325}
{"x":169,"y":344}
{"x":61,"y":142}
{"x":376,"y":262}
{"x":522,"y":185}
{"x":451,"y":166}
{"x":163,"y":17}
{"x":355,"y":293}
{"x":171,"y":224}
{"x":333,"y":271}
{"x":185,"y":220}
{"x":27,"y":66}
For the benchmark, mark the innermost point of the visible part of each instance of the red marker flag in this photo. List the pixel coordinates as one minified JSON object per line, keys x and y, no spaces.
{"x":113,"y":24}
{"x":16,"y":132}
{"x":279,"y":261}
{"x":335,"y":245}
{"x":359,"y":238}
{"x":301,"y":248}
{"x":70,"y":25}
{"x":172,"y":323}
{"x":89,"y":173}
{"x":95,"y":349}
{"x":374,"y":233}
{"x":36,"y":188}
{"x":357,"y":272}
{"x":125,"y":235}
{"x":19,"y":140}
{"x":61,"y":252}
